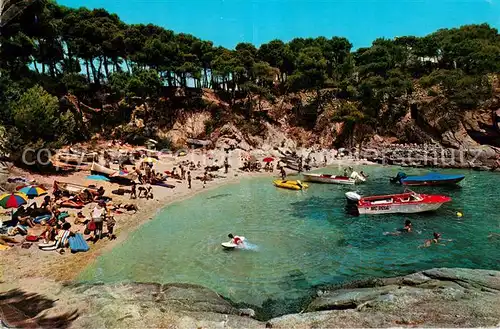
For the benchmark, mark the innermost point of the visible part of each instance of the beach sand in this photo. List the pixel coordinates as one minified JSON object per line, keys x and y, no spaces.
{"x":19,"y":267}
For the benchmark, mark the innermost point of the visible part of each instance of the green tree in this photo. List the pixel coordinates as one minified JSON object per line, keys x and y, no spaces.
{"x":37,"y":117}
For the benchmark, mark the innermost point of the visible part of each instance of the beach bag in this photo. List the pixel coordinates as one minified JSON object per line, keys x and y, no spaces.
{"x":91,"y":226}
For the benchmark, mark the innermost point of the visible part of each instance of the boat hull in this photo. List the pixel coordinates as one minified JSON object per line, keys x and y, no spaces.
{"x":398,"y":208}
{"x":405,"y":203}
{"x":328,"y":180}
{"x":290,"y":185}
{"x":111,"y":174}
{"x":432,"y":182}
{"x":71,"y":188}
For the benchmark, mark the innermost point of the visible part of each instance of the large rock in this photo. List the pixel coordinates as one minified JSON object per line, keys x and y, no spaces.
{"x":438,"y":297}
{"x":433,"y":298}
{"x":155,"y":305}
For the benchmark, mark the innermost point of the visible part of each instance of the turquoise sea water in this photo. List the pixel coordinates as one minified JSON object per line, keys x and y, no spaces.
{"x":302,"y":239}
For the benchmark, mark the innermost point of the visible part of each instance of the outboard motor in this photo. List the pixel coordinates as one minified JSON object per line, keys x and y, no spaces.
{"x":352,"y":203}
{"x":353,"y":197}
{"x":399,"y":177}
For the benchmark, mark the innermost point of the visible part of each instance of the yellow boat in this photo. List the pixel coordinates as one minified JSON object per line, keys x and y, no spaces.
{"x":290,"y":184}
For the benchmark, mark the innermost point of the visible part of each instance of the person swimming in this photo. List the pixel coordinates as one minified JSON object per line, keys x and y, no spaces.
{"x":435,"y":240}
{"x":235,"y":239}
{"x":406,"y":229}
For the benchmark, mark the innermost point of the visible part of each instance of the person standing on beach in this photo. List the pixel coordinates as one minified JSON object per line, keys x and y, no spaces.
{"x":205,"y":178}
{"x":283,"y":173}
{"x":183,"y":172}
{"x":189,"y":179}
{"x":133,"y":192}
{"x":226,"y":166}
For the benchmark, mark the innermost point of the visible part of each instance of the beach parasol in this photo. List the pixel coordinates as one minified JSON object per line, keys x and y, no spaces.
{"x":13,"y":200}
{"x":268,"y":159}
{"x":150,"y":160}
{"x":32,"y":191}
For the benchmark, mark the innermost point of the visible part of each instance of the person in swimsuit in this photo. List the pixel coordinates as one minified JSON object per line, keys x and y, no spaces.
{"x":406,"y":229}
{"x":435,"y":240}
{"x":235,"y":239}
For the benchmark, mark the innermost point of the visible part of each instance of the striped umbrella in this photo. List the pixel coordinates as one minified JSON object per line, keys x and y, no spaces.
{"x":13,"y":200}
{"x":32,"y":191}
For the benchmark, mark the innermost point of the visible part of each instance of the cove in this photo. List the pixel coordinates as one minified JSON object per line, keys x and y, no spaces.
{"x":302,"y":239}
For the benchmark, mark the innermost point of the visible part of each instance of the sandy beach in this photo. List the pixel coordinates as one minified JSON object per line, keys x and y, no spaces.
{"x":19,"y":266}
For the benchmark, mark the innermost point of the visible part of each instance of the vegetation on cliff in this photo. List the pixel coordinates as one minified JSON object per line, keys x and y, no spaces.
{"x":91,"y":54}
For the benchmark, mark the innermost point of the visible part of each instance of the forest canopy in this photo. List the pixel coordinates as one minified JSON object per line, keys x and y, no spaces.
{"x":47,"y":49}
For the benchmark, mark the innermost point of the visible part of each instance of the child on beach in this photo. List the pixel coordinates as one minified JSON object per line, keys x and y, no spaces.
{"x":189,"y":179}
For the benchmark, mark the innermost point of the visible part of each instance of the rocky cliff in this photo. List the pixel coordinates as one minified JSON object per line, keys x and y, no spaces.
{"x":433,"y":298}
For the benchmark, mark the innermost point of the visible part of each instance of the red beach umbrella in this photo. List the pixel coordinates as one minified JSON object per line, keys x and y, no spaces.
{"x":268,"y":159}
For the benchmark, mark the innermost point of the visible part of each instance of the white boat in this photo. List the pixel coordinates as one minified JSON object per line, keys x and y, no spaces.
{"x":404,"y":203}
{"x":329,"y":179}
{"x":71,"y":188}
{"x":101,"y":170}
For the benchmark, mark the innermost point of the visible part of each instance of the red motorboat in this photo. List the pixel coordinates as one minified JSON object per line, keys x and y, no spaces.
{"x":405,"y":203}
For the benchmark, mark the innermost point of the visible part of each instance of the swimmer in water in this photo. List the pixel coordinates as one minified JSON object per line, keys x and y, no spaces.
{"x":406,"y":229}
{"x":235,"y":239}
{"x":435,"y":240}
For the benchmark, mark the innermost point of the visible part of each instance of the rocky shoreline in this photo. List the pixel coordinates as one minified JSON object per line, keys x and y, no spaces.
{"x":441,"y":297}
{"x":481,"y":158}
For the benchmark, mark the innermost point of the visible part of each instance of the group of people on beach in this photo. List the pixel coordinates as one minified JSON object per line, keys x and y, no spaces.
{"x":54,"y":225}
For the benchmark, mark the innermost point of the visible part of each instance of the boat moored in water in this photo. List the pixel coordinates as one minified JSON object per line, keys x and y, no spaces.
{"x":354,"y":178}
{"x":404,"y":203}
{"x":329,"y":179}
{"x":430,"y":179}
{"x":290,"y":184}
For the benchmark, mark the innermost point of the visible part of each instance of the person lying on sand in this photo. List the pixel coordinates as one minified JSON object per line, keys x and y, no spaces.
{"x":126,"y":206}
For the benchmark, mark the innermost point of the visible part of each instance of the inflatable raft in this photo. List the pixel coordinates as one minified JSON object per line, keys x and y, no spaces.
{"x":290,"y":184}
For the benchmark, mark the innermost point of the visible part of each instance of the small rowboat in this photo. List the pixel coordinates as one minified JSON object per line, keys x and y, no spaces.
{"x":290,"y":184}
{"x":71,"y":188}
{"x":112,"y":174}
{"x":76,"y":158}
{"x":405,"y":203}
{"x":329,"y":179}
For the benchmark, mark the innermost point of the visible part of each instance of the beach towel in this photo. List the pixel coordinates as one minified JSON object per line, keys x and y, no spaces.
{"x":78,"y":244}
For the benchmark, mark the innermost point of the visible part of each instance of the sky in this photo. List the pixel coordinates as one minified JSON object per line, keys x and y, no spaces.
{"x":228,"y":22}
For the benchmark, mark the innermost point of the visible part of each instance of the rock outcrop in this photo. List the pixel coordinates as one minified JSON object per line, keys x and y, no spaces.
{"x":436,"y":298}
{"x":433,"y":298}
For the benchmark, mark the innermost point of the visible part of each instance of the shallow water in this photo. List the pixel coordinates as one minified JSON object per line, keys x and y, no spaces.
{"x":302,"y":239}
